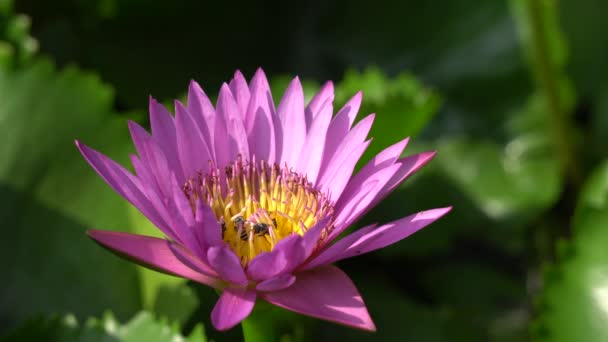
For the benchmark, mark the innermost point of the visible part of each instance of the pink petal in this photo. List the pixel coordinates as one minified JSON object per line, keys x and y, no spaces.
{"x":285,"y":256}
{"x":221,"y":141}
{"x":192,"y":150}
{"x":177,"y":230}
{"x":226,"y":264}
{"x":311,"y":237}
{"x":240,"y":91}
{"x":260,"y":120}
{"x":228,"y":110}
{"x":334,"y":185}
{"x":359,"y":198}
{"x":311,"y":156}
{"x":140,"y":138}
{"x":127,"y":185}
{"x":191,"y":260}
{"x":153,"y":158}
{"x":407,"y":167}
{"x":150,"y":252}
{"x":372,"y":170}
{"x":339,"y":128}
{"x":207,"y":228}
{"x":183,"y":221}
{"x":277,"y":283}
{"x":385,"y":158}
{"x":318,"y":101}
{"x":291,"y":114}
{"x":332,"y":164}
{"x":370,"y":238}
{"x":163,"y":131}
{"x":202,"y":112}
{"x":325,"y":293}
{"x":234,"y":305}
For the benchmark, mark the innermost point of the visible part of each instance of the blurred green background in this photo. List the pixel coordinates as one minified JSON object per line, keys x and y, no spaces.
{"x":512,"y":94}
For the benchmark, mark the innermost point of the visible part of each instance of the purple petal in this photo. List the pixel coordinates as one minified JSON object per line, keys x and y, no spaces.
{"x":192,"y":150}
{"x":339,"y":128}
{"x":407,"y":167}
{"x":385,"y":158}
{"x":311,"y":157}
{"x":234,"y":305}
{"x":358,"y":199}
{"x":291,"y":114}
{"x":178,"y":230}
{"x":150,"y":252}
{"x":127,"y":185}
{"x":332,"y":164}
{"x":227,"y":110}
{"x":335,"y":184}
{"x":190,"y":260}
{"x":318,"y":101}
{"x":153,"y":158}
{"x":163,"y":132}
{"x":259,"y":120}
{"x":240,"y":90}
{"x":286,"y":255}
{"x":202,"y":112}
{"x":207,"y":228}
{"x":182,"y":218}
{"x":370,"y":238}
{"x":226,"y":264}
{"x":221,"y":140}
{"x":371,"y":170}
{"x":266,"y":265}
{"x":325,"y":293}
{"x":140,"y":138}
{"x":277,"y":283}
{"x":311,"y":237}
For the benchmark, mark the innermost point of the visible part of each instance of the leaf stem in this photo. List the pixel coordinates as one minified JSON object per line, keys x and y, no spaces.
{"x":549,"y":82}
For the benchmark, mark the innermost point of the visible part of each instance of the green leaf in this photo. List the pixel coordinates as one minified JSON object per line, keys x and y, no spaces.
{"x":574,"y":303}
{"x":16,"y":45}
{"x":50,"y":196}
{"x":174,"y":302}
{"x":142,"y":327}
{"x":520,"y":177}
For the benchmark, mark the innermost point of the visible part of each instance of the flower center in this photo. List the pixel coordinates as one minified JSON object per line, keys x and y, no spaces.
{"x":258,"y":204}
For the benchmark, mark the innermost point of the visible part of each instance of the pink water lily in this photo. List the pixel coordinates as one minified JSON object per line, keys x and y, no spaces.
{"x":252,"y":198}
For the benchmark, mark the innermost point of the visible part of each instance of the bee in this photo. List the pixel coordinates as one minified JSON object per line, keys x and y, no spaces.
{"x":239,"y":227}
{"x":223,"y":224}
{"x":260,"y":229}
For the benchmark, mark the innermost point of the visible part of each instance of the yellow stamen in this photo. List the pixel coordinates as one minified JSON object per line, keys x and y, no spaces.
{"x":258,"y":204}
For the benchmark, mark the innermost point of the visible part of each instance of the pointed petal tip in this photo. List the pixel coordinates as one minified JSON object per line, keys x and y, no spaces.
{"x":92,"y":233}
{"x":224,"y":89}
{"x":429,"y":155}
{"x":445,"y":210}
{"x":259,"y":73}
{"x":328,"y":84}
{"x":83,"y":148}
